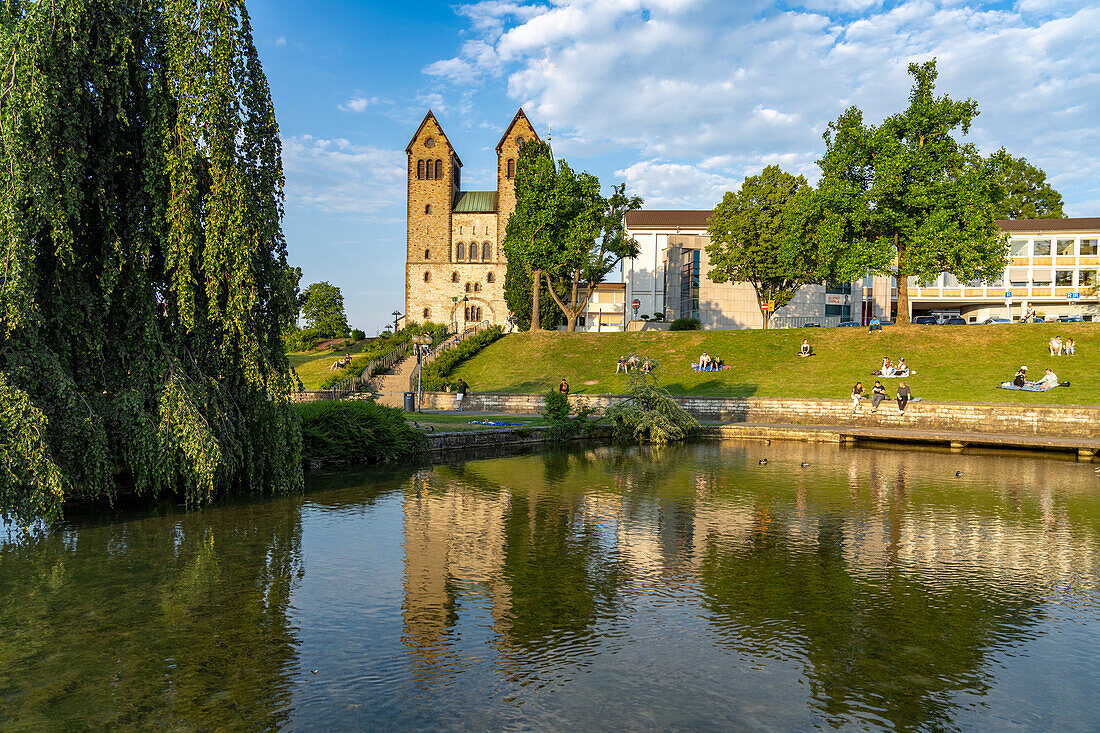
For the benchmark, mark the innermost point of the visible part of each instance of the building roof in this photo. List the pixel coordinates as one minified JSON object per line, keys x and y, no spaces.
{"x":431,"y":116}
{"x":1049,"y":225}
{"x":512,"y":124}
{"x":611,"y":286}
{"x":667,"y":218}
{"x":476,"y":202}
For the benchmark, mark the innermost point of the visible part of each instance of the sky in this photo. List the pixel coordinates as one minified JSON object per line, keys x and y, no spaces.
{"x":679,"y":99}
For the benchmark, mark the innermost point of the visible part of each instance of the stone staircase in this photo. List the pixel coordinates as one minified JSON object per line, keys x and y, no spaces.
{"x":393,"y":385}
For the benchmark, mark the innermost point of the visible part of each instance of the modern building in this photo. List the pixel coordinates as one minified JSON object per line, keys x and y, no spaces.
{"x":669,"y":277}
{"x":454,"y":266}
{"x":605,"y":310}
{"x":1053,"y":267}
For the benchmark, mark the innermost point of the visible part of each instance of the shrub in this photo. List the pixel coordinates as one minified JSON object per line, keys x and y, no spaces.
{"x":357,"y":334}
{"x":649,"y":414}
{"x":299,"y":339}
{"x":379,"y":348}
{"x":556,"y":412}
{"x":685,"y":324}
{"x":356,"y":431}
{"x":434,"y":376}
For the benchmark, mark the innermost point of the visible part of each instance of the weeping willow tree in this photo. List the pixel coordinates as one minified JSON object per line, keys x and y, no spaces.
{"x":143,"y":277}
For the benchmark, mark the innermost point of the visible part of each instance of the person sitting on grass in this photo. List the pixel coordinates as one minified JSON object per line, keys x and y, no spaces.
{"x":715,"y":363}
{"x":632,"y":362}
{"x":647,"y":366}
{"x":805,"y":349}
{"x":902,"y":369}
{"x":1050,"y":379}
{"x":704,"y":361}
{"x":621,"y":366}
{"x":1055,"y":346}
{"x":1069,"y":348}
{"x":1021,"y":377}
{"x":874,"y":325}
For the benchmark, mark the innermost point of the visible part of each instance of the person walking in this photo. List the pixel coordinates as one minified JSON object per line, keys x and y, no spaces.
{"x":903,"y":396}
{"x":878,"y":394}
{"x":460,"y":393}
{"x":857,"y":395}
{"x":564,"y":387}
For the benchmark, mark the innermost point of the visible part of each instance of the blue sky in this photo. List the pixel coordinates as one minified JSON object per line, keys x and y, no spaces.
{"x":681,"y":99}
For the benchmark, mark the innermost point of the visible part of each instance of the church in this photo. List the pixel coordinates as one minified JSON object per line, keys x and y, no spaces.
{"x":454,"y":264}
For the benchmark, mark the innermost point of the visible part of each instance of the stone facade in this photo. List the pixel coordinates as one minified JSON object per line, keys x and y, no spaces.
{"x":448,"y":278}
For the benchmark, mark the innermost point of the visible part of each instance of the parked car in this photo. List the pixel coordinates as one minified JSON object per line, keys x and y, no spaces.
{"x":811,"y":325}
{"x":886,"y":323}
{"x":1036,"y":319}
{"x":995,"y":321}
{"x":924,"y":321}
{"x":955,"y":321}
{"x":849,"y":324}
{"x":1071,"y":319}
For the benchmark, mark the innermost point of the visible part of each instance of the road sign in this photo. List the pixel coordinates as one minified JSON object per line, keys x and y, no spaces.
{"x":765,"y":307}
{"x":1073,"y":296}
{"x":1008,"y":293}
{"x":636,"y":304}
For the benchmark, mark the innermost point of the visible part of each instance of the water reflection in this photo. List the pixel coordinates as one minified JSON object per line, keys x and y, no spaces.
{"x":685,"y":587}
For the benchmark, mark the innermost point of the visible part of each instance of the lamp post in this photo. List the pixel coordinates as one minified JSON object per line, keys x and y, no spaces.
{"x":465,"y":310}
{"x":396,"y":315}
{"x":420,"y":341}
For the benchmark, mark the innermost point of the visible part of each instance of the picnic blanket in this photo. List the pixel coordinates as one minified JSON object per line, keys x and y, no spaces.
{"x":494,"y":423}
{"x":695,"y":368}
{"x":895,"y":375}
{"x":1029,"y":387}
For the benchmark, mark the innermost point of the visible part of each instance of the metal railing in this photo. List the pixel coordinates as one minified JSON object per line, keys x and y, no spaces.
{"x":447,"y":345}
{"x":351,"y":385}
{"x":800,"y":321}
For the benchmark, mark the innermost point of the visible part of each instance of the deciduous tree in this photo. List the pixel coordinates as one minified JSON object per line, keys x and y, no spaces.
{"x":323,"y":309}
{"x":1023,"y":191}
{"x":536,"y":224}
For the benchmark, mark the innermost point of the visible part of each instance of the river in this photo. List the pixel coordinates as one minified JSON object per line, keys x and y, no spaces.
{"x":687,"y":588}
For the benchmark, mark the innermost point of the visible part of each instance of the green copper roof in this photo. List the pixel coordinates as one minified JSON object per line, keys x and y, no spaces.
{"x":476,"y":202}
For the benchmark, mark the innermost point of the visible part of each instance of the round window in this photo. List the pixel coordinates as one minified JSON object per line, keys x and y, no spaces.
{"x":519,"y":142}
{"x":429,"y":143}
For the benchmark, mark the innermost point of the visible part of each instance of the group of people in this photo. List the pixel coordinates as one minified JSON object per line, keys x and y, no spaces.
{"x":1050,"y":379}
{"x":340,"y":363}
{"x":629,"y":363}
{"x":1060,"y":348}
{"x":890,"y":369}
{"x":878,"y":394}
{"x":708,"y":363}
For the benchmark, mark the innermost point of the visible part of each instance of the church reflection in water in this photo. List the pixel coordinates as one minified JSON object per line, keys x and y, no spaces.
{"x":889,"y":581}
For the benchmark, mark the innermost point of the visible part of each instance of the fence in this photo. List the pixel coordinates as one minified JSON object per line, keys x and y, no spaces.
{"x":800,"y":321}
{"x":447,"y":345}
{"x":350,"y":385}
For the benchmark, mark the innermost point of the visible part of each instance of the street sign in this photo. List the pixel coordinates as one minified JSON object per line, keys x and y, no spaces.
{"x":1008,"y":293}
{"x":1073,"y":296}
{"x":636,"y":304}
{"x":765,"y":307}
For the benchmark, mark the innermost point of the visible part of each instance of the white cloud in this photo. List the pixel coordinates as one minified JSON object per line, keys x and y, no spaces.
{"x":725,"y":88}
{"x":336,"y":177}
{"x":666,"y":185}
{"x":358,"y":104}
{"x":280,"y":41}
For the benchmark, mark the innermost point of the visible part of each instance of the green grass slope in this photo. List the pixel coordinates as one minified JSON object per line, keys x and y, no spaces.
{"x":313,"y":367}
{"x":950,"y":363}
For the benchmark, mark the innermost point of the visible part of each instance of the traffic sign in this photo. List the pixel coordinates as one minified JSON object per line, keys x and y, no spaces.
{"x":636,"y":304}
{"x":1008,"y":293}
{"x":765,"y":307}
{"x":1073,"y":296}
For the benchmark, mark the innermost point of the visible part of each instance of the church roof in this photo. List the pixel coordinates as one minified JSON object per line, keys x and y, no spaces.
{"x":512,"y":124}
{"x":431,"y":116}
{"x":476,"y":202}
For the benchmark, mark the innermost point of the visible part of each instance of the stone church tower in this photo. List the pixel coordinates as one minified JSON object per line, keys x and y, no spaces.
{"x":454,"y":266}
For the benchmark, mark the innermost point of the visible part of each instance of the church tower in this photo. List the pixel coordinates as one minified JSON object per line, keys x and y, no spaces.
{"x":514,"y":136}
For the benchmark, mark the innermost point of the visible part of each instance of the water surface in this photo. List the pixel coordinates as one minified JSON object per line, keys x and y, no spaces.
{"x":600,"y":589}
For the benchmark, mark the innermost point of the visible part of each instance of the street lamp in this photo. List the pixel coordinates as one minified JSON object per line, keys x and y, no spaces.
{"x":465,"y":310}
{"x":420,"y":341}
{"x":396,"y":315}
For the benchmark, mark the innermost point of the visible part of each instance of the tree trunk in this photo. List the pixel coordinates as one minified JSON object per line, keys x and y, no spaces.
{"x":536,"y":320}
{"x":903,"y":286}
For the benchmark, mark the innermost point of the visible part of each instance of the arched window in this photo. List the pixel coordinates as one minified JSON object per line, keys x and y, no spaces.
{"x":490,"y":278}
{"x":420,"y":169}
{"x":460,"y":251}
{"x":511,"y":167}
{"x":427,"y":254}
{"x":427,"y":313}
{"x":477,"y":287}
{"x":467,"y":287}
{"x":466,"y":317}
{"x":439,"y":169}
{"x":454,"y":277}
{"x":477,"y":314}
{"x":427,"y":208}
{"x":486,"y":251}
{"x":473,"y":250}
{"x":427,"y":277}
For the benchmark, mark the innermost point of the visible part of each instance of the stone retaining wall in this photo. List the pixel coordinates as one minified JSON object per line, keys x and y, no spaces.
{"x":1069,"y":420}
{"x":443,"y":443}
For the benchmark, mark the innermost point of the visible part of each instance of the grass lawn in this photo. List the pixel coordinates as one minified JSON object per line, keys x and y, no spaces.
{"x":313,"y":367}
{"x":461,"y":421}
{"x":949,"y":363}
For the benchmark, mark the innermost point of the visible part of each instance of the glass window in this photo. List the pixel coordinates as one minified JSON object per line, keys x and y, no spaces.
{"x":511,"y":168}
{"x":439,"y":169}
{"x":1086,"y":278}
{"x":838,"y":288}
{"x":1065,"y":247}
{"x":427,"y":254}
{"x":427,"y":277}
{"x":477,"y":287}
{"x":486,"y":249}
{"x":454,"y":277}
{"x":1018,"y":284}
{"x":420,"y":169}
{"x":460,"y":251}
{"x":427,"y":313}
{"x":1088,"y":247}
{"x":1042,"y":248}
{"x":473,"y":250}
{"x":1063,"y":278}
{"x":490,"y":278}
{"x":1017,"y":248}
{"x":950,"y":281}
{"x":467,"y":287}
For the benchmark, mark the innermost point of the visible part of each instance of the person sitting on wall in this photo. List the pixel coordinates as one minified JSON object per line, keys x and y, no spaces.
{"x":564,"y":387}
{"x":621,"y":366}
{"x":1021,"y":377}
{"x":805,"y":349}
